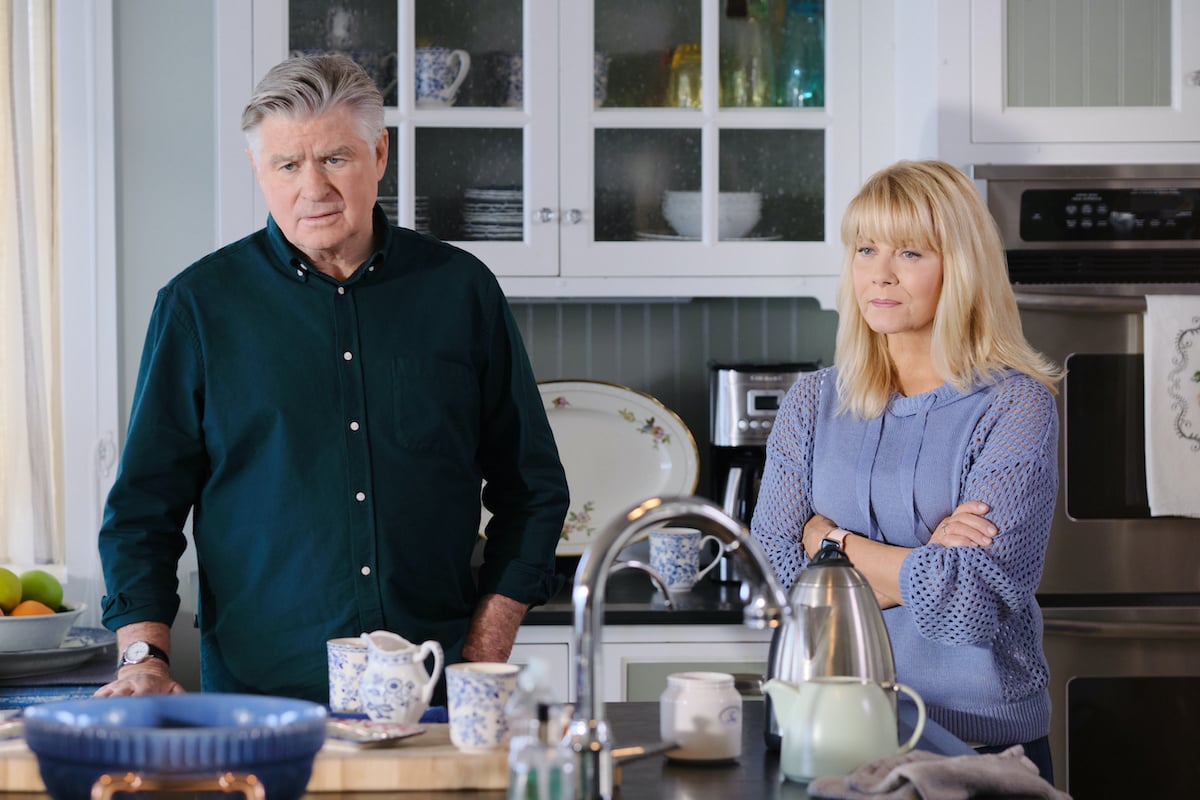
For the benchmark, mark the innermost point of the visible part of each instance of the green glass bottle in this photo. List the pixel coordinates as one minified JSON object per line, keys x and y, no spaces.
{"x":800,"y":80}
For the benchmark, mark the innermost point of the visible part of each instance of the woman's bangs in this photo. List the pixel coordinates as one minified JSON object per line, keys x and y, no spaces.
{"x":897,"y":218}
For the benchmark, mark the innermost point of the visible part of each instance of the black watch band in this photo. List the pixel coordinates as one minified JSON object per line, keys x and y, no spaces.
{"x":138,"y":652}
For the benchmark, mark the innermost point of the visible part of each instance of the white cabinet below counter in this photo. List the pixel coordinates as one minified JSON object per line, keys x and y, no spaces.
{"x":635,"y":659}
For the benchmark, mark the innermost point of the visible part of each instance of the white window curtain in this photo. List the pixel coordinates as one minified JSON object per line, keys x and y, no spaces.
{"x":31,"y":469}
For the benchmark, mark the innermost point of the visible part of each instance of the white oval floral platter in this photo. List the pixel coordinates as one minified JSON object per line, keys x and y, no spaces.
{"x":618,"y":447}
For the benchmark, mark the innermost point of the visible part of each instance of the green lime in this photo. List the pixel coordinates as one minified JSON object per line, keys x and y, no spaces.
{"x":10,"y":589}
{"x":41,"y":586}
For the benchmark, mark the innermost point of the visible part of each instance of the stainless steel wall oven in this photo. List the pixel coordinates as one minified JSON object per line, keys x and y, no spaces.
{"x":1121,"y":590}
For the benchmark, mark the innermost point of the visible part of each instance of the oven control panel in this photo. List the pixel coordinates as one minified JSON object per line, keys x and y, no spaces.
{"x":1086,"y":214}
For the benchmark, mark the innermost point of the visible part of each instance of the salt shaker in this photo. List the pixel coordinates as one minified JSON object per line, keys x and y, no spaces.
{"x":702,"y":711}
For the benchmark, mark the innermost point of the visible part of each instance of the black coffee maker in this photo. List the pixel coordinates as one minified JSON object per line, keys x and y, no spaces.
{"x":743,"y":402}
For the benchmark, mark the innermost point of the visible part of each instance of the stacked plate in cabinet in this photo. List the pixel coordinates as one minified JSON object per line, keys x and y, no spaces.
{"x":421,"y":213}
{"x":494,"y":212}
{"x":391,"y":207}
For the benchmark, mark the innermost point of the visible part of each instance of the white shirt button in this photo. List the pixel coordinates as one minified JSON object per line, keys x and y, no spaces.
{"x":360,"y":496}
{"x":371,"y":268}
{"x":347,"y":355}
{"x":353,"y":426}
{"x":300,"y":273}
{"x":341,"y":290}
{"x":366,"y":570}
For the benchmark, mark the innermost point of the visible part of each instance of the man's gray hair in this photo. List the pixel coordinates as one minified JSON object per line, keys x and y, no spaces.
{"x":308,"y":86}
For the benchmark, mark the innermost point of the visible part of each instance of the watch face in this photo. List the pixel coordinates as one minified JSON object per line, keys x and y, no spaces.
{"x":138,"y":651}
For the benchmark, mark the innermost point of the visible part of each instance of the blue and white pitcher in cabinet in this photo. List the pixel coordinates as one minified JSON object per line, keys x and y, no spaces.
{"x":395,"y":686}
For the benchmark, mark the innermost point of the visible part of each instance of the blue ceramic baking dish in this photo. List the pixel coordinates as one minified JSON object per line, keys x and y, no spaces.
{"x":177,"y":736}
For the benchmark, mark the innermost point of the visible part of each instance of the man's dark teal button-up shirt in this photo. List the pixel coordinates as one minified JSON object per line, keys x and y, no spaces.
{"x":331,"y":440}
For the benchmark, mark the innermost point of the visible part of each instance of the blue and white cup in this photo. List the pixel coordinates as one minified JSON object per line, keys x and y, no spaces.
{"x":381,"y":66}
{"x":506,"y":77}
{"x":675,"y":556}
{"x":476,"y":694}
{"x":440,"y":71}
{"x":347,"y":663}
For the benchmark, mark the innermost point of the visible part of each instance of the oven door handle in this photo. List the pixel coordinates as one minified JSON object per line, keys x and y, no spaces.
{"x":1112,"y":304}
{"x":1124,"y":629}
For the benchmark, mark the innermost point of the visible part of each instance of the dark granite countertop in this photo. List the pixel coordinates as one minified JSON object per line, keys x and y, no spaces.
{"x":631,"y":599}
{"x":754,"y":775}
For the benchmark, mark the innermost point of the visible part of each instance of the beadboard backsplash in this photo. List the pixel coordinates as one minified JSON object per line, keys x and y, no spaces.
{"x":664,"y":348}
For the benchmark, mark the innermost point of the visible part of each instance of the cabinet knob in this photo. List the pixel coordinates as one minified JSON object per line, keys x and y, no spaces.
{"x":544,"y":215}
{"x":573,"y":216}
{"x":1193,"y":78}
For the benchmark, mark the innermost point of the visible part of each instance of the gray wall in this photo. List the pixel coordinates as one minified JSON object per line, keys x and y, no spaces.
{"x":166,"y":217}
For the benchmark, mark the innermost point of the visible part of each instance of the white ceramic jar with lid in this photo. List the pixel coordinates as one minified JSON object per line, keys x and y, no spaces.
{"x":702,"y":711}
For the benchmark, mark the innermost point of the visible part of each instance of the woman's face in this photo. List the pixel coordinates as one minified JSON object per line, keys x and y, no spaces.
{"x":897,"y":287}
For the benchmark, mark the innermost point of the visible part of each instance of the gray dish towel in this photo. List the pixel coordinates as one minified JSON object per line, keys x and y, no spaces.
{"x":921,"y":775}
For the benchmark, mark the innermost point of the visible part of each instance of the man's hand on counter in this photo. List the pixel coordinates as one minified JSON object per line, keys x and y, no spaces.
{"x":150,"y":677}
{"x":149,"y":673}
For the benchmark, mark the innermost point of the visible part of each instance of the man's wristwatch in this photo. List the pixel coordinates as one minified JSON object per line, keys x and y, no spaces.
{"x":138,"y":652}
{"x":837,"y":536}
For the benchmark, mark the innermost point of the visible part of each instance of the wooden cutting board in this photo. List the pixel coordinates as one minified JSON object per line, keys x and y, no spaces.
{"x":427,"y":761}
{"x":424,"y":762}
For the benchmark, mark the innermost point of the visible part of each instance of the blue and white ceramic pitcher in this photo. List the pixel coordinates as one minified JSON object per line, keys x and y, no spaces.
{"x":395,"y":686}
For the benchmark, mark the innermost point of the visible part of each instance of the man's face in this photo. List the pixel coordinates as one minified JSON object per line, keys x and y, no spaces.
{"x":320,"y":180}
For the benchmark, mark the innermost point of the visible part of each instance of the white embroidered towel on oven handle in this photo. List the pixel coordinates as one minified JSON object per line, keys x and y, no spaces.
{"x":1172,"y":348}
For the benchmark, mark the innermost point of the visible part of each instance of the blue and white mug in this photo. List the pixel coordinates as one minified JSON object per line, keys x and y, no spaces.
{"x":347,"y":663}
{"x":440,"y":71}
{"x":476,"y":695}
{"x":675,"y":556}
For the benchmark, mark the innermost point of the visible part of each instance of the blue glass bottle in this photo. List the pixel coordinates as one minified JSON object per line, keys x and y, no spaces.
{"x":801,"y":77}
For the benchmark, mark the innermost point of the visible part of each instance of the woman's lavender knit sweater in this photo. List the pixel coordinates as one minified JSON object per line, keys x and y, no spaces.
{"x":968,"y":636}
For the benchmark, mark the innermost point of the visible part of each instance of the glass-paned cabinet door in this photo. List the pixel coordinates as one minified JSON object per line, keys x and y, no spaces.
{"x":365,"y":30}
{"x":481,"y":153}
{"x":470,"y":94}
{"x":1085,"y":70}
{"x":710,"y":134}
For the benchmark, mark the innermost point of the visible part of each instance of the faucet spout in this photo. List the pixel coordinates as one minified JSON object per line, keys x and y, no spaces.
{"x":654,"y":577}
{"x":765,"y":606}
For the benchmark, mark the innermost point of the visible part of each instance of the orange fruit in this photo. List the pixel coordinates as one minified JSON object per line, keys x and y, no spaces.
{"x":30,"y":608}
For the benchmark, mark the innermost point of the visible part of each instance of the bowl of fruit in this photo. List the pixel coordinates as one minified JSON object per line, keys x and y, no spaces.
{"x":33,"y":615}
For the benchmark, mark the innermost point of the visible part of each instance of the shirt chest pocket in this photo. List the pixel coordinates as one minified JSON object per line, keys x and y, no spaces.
{"x":435,"y":405}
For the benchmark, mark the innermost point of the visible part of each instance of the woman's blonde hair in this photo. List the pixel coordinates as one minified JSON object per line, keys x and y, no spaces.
{"x":932,"y":205}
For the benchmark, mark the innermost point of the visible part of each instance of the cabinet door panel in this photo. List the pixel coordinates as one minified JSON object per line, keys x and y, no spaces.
{"x":1084,"y":71}
{"x":626,"y":662}
{"x":557,"y":661}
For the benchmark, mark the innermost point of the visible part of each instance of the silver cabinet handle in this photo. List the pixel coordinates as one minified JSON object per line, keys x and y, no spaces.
{"x":573,"y":216}
{"x":544,"y":215}
{"x":1193,"y":78}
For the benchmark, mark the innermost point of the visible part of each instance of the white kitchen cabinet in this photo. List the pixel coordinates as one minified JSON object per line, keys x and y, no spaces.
{"x":554,"y":653}
{"x":626,"y":650}
{"x":587,"y":169}
{"x":1075,"y":81}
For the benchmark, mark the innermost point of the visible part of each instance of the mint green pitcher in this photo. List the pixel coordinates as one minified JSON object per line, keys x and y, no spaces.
{"x":832,"y":725}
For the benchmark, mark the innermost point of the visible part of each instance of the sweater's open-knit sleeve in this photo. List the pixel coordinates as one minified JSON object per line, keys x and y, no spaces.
{"x":960,"y":595}
{"x":785,"y":500}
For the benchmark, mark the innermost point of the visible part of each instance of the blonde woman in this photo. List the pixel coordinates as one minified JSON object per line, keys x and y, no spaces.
{"x":928,"y":452}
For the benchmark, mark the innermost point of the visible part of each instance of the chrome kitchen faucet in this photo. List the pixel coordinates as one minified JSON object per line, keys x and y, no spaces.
{"x":765,"y":606}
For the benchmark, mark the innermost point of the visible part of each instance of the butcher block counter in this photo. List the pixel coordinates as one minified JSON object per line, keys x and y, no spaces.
{"x":754,"y":775}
